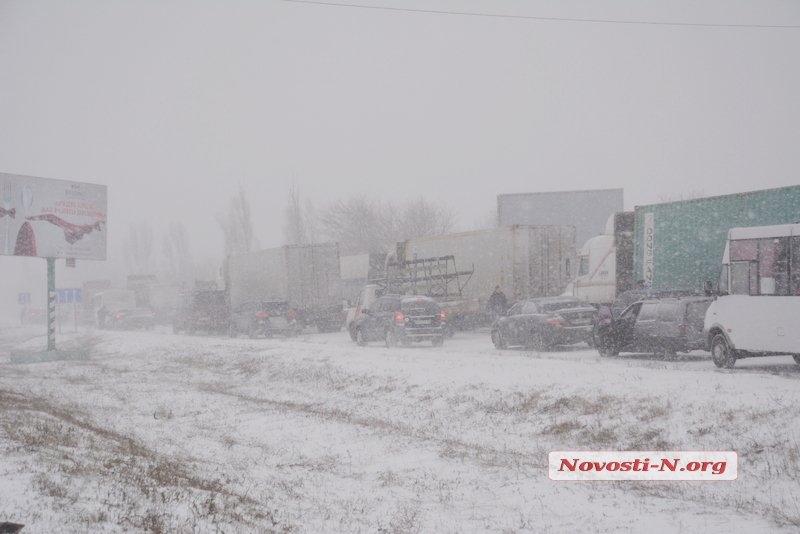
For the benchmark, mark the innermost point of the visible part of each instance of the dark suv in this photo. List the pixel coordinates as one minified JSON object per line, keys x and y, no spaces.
{"x":401,"y":319}
{"x":205,"y":310}
{"x":662,"y":326}
{"x":264,"y":318}
{"x":626,"y":298}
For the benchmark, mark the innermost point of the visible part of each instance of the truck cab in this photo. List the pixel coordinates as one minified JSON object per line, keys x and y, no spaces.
{"x":605,"y":262}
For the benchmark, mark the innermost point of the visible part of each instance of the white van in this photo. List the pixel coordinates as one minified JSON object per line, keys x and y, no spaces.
{"x":760,"y":303}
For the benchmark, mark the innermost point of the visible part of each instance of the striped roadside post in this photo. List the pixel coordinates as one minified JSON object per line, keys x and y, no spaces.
{"x":51,"y":304}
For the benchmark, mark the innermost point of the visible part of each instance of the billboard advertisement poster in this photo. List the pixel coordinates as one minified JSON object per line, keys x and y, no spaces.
{"x":50,"y":218}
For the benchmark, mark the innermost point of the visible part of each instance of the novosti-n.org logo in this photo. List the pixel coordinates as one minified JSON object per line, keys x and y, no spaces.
{"x":643,"y":465}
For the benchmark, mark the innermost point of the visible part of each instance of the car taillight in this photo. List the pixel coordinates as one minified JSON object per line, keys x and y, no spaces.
{"x":681,"y":329}
{"x":261,"y":314}
{"x":118,"y":316}
{"x":556,"y":321}
{"x":443,"y":315}
{"x":399,"y":317}
{"x":292,"y":314}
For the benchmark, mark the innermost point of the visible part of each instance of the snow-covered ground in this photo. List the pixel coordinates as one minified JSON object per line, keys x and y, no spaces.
{"x":158,"y":432}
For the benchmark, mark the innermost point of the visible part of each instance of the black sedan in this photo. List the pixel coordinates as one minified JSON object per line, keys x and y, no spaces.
{"x":541,"y":323}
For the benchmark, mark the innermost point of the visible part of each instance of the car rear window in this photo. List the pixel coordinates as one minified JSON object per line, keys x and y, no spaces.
{"x":696,"y":312}
{"x":561,"y":305}
{"x":210,"y":299}
{"x":388,"y":305}
{"x":276,"y":307}
{"x":428,"y":306}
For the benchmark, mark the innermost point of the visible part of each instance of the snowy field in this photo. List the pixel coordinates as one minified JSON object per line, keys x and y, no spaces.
{"x":158,"y":432}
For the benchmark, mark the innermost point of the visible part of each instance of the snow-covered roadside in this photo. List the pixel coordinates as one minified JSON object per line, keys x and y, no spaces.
{"x":318,"y":435}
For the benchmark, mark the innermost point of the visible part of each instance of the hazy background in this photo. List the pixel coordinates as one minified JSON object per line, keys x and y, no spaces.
{"x":176,"y":104}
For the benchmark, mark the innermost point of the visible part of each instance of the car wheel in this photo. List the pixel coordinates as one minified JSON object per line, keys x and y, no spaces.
{"x":391,"y":338}
{"x":437,"y":341}
{"x":535,"y":341}
{"x":498,"y":340}
{"x":796,"y":359}
{"x":723,"y":355}
{"x":360,"y":339}
{"x":665,"y":353}
{"x":251,"y":332}
{"x":352,"y":330}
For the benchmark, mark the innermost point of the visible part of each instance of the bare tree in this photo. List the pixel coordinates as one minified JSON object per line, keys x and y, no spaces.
{"x":311,"y":221}
{"x":138,"y":248}
{"x":421,"y":218}
{"x":295,"y":227}
{"x":177,"y":252}
{"x":356,"y":224}
{"x":363,"y":225}
{"x":237,"y":225}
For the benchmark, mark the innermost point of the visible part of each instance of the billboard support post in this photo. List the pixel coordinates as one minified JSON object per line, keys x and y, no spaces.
{"x":51,"y":304}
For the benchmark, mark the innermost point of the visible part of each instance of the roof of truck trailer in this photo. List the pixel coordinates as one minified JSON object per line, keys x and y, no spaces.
{"x":755,"y":232}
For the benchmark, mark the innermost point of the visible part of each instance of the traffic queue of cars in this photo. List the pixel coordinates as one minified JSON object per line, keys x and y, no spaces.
{"x":662,"y":323}
{"x":208,"y":311}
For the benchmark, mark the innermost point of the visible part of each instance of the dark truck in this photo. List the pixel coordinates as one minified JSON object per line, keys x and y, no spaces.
{"x":205,"y":310}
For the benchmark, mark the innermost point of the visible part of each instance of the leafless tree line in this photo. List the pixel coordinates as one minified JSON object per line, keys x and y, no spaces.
{"x":175,"y":262}
{"x":360,"y":224}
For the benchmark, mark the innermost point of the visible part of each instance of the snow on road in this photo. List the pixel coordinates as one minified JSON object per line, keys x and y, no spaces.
{"x":166,"y":433}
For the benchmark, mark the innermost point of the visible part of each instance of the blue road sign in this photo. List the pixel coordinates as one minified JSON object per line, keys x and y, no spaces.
{"x":24,"y":299}
{"x":68,"y":295}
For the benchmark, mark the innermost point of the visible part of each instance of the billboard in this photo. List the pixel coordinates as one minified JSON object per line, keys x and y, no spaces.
{"x":52,"y":218}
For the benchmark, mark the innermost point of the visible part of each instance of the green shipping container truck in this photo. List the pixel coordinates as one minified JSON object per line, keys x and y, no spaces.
{"x":679,"y":245}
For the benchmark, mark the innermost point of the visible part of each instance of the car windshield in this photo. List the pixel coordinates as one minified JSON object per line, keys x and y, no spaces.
{"x":427,"y":305}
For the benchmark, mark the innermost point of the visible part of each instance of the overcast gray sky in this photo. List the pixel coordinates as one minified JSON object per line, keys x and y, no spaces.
{"x":173,"y":104}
